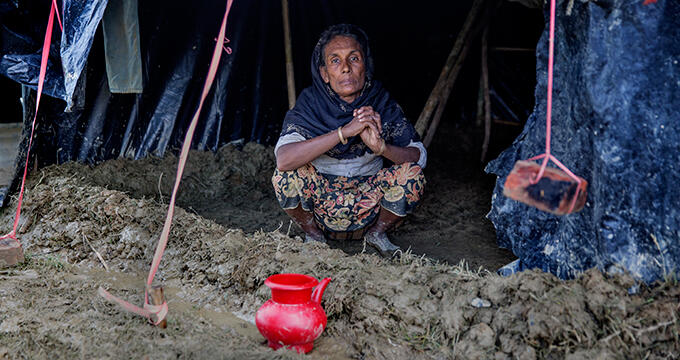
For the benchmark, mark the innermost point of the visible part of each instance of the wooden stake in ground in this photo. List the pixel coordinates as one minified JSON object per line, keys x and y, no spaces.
{"x":290,"y":75}
{"x":157,"y":298}
{"x":436,"y":99}
{"x":10,"y":253}
{"x":487,"y":100}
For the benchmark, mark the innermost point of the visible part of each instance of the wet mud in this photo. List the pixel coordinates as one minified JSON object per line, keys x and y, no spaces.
{"x":218,"y":257}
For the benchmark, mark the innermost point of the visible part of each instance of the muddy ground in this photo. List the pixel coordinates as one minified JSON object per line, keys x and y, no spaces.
{"x":214,"y":269}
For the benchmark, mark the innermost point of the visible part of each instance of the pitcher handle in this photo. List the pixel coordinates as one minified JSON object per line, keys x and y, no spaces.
{"x":318,"y":291}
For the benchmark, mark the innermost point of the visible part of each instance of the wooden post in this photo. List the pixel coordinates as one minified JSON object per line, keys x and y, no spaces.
{"x":290,"y":75}
{"x":480,"y":100}
{"x":10,"y":253}
{"x":435,"y":99}
{"x":157,"y":298}
{"x":445,"y":92}
{"x":487,"y":100}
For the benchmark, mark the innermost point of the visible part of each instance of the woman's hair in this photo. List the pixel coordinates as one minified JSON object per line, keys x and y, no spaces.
{"x":348,"y":30}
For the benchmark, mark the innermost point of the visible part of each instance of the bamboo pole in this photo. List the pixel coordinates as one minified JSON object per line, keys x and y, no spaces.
{"x":435,"y":99}
{"x":487,"y":100}
{"x":290,"y":75}
{"x":505,"y":122}
{"x":480,"y":100}
{"x":445,"y":92}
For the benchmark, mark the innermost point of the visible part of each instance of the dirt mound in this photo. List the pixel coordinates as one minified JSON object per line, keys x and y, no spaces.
{"x":233,"y":188}
{"x":411,"y":307}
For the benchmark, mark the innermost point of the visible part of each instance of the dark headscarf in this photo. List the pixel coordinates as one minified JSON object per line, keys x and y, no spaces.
{"x":319,"y":109}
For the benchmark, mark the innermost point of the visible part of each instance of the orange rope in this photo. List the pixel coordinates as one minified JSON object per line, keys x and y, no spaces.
{"x":41,"y":80}
{"x":160,"y":311}
{"x":547,"y":156}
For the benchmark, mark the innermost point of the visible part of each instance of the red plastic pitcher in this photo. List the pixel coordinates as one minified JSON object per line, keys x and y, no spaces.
{"x":293,"y":317}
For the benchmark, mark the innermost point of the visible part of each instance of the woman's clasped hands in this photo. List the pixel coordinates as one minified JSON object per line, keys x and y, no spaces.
{"x":368,"y":125}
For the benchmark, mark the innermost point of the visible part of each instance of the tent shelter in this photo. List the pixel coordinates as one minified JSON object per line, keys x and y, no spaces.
{"x":105,"y":119}
{"x":614,"y":105}
{"x":174,"y":58}
{"x":248,"y":99}
{"x":122,"y":96}
{"x":163,"y":52}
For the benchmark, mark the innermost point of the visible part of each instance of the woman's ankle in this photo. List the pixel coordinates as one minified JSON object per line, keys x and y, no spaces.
{"x":376,"y":229}
{"x":312,"y":230}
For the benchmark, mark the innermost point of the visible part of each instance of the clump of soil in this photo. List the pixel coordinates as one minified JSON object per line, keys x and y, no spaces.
{"x":214,"y":279}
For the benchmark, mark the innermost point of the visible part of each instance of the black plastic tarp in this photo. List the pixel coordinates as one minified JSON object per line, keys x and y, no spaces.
{"x":248,"y":99}
{"x":615,"y":123}
{"x":176,"y":42}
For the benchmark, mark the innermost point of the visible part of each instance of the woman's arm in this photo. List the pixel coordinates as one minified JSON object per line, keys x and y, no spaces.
{"x":292,"y":156}
{"x":400,"y":155}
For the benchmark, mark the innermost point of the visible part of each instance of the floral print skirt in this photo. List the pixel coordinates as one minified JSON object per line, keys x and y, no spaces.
{"x":347,"y":204}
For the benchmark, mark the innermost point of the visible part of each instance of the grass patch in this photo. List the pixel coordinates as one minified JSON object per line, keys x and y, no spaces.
{"x":43,"y":263}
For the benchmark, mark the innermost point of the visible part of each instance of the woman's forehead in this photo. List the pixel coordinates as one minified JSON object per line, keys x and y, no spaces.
{"x":341,"y":43}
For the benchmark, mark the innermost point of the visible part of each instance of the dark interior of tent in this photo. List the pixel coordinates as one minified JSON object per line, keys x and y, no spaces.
{"x":410,"y":45}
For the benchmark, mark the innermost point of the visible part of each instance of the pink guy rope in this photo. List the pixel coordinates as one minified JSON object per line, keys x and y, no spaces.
{"x":160,"y":311}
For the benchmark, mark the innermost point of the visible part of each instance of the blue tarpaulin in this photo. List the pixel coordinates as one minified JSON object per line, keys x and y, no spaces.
{"x":615,"y":123}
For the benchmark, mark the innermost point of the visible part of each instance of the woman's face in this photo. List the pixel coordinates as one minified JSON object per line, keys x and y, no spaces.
{"x":344,"y":67}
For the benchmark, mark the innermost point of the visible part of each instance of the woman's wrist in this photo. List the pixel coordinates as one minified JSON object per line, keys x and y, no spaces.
{"x":382,"y":148}
{"x":341,"y":137}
